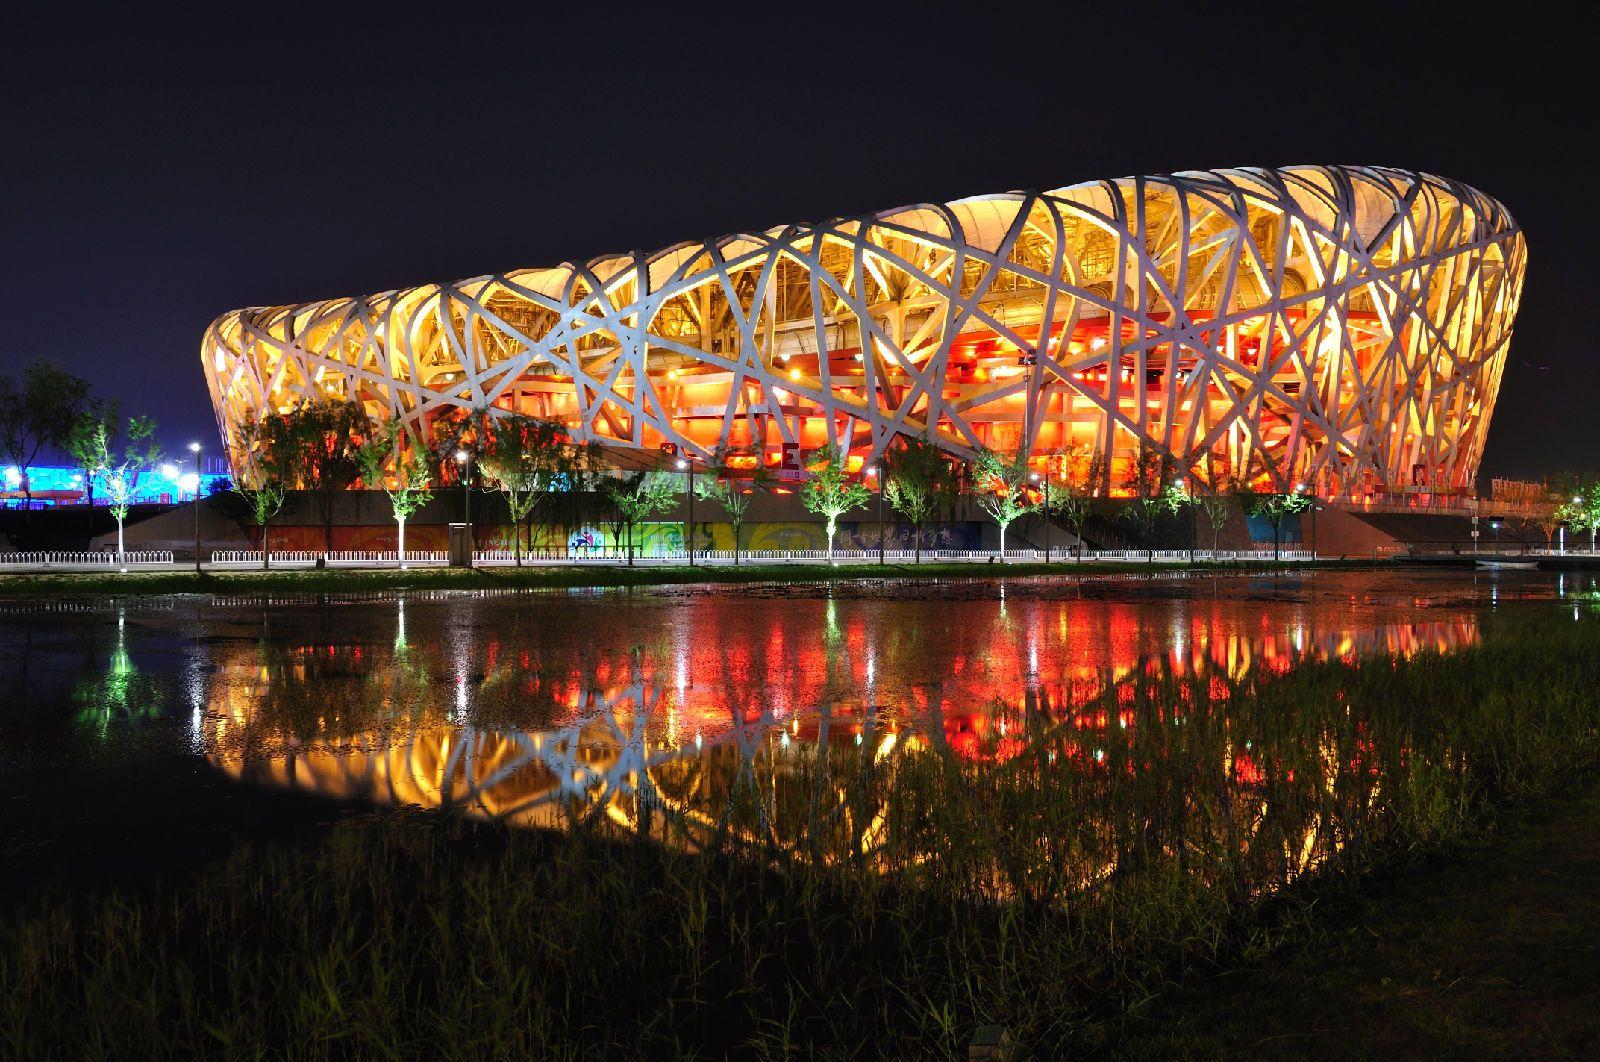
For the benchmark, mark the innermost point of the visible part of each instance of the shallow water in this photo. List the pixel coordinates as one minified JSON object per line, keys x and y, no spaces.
{"x":540,"y":707}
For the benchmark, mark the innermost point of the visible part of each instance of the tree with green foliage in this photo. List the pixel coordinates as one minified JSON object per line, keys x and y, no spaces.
{"x":830,"y":491}
{"x":1581,"y":510}
{"x":264,"y":483}
{"x":1219,"y":498}
{"x":38,"y":413}
{"x":639,"y":496}
{"x":324,"y":436}
{"x":1075,"y":490}
{"x":722,"y":483}
{"x":1274,"y":507}
{"x":87,"y":440}
{"x":919,"y":480}
{"x":119,"y":457}
{"x":1219,"y":502}
{"x":1146,"y":481}
{"x":406,"y":484}
{"x":526,"y":459}
{"x":1000,"y":484}
{"x":1179,"y":497}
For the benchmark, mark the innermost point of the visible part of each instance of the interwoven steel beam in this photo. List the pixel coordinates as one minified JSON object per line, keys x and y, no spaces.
{"x":1342,"y":327}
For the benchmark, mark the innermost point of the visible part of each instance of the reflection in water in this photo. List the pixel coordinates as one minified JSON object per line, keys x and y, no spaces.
{"x":825,"y":729}
{"x":121,"y":693}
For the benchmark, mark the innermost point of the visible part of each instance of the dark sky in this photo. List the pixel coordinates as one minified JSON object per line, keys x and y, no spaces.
{"x":158,"y":171}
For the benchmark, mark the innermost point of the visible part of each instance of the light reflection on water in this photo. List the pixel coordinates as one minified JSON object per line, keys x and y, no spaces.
{"x":626,"y":729}
{"x":683,"y":718}
{"x":694,"y":717}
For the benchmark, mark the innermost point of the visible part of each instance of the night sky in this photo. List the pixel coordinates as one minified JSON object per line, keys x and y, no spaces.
{"x":160,"y":171}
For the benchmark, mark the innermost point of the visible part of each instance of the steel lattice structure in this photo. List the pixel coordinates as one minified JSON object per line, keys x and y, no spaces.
{"x":1341,"y":327}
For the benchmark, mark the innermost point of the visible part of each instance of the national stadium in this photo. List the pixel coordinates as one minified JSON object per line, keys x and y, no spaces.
{"x":1334,"y":329}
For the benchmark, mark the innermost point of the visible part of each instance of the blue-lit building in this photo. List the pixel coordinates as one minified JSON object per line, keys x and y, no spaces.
{"x":169,"y":483}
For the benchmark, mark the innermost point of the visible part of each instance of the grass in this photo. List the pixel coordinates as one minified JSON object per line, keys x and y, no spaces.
{"x":1485,"y":949}
{"x":841,"y":903}
{"x":559,"y":577}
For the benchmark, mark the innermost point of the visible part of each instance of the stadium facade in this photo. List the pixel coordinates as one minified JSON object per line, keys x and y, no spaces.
{"x":1340,"y":328}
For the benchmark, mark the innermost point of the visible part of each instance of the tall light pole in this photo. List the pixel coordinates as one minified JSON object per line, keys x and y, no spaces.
{"x":687,"y":463}
{"x":1045,"y":482}
{"x":1182,"y":483}
{"x":872,"y":470}
{"x":194,"y":448}
{"x":464,"y":464}
{"x":1300,"y":488}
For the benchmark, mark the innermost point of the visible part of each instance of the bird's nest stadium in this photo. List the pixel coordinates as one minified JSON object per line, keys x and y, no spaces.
{"x":1337,"y":329}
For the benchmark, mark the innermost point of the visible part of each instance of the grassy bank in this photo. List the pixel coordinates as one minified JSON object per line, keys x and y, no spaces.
{"x":547,"y":577}
{"x":1482,"y":950}
{"x":843,"y":902}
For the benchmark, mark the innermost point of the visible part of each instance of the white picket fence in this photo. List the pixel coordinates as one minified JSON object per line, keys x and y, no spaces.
{"x":343,"y":558}
{"x":93,"y":559}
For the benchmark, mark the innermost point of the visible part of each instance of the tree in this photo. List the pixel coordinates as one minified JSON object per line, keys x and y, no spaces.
{"x":86,"y":441}
{"x":525,"y":459}
{"x":323,"y":436}
{"x":1218,"y":502}
{"x":721,"y":486}
{"x":1001,"y":485}
{"x":119,"y":466}
{"x":1146,"y":483}
{"x":38,"y":413}
{"x":264,"y":483}
{"x":918,"y":480}
{"x":1548,"y":521}
{"x":1176,"y":497}
{"x":640,"y":496}
{"x":1583,"y":509}
{"x":1084,"y":470}
{"x":1274,"y":507}
{"x":407,"y":486}
{"x":830,"y":491}
{"x":1220,"y":499}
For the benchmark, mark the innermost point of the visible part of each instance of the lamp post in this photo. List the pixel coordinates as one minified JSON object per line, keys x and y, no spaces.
{"x":1188,"y":492}
{"x":194,"y":448}
{"x":464,"y":463}
{"x":687,"y":463}
{"x":1044,"y":481}
{"x":1300,"y":488}
{"x":872,"y":470}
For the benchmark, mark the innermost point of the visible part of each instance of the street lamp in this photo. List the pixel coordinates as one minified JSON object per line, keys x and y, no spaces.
{"x":1300,"y":489}
{"x":194,"y":448}
{"x":872,"y":470}
{"x":1045,"y":480}
{"x":687,"y":463}
{"x":1188,"y":494}
{"x":464,"y":464}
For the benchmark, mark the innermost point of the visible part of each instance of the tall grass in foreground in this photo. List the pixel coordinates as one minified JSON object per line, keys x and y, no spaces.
{"x":842,"y":905}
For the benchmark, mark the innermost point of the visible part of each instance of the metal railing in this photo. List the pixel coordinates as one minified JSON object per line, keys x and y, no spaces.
{"x":299,"y":558}
{"x":346,"y":559}
{"x":84,"y":558}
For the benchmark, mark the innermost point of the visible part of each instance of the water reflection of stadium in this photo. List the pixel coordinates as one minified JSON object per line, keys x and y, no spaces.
{"x":670,"y":735}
